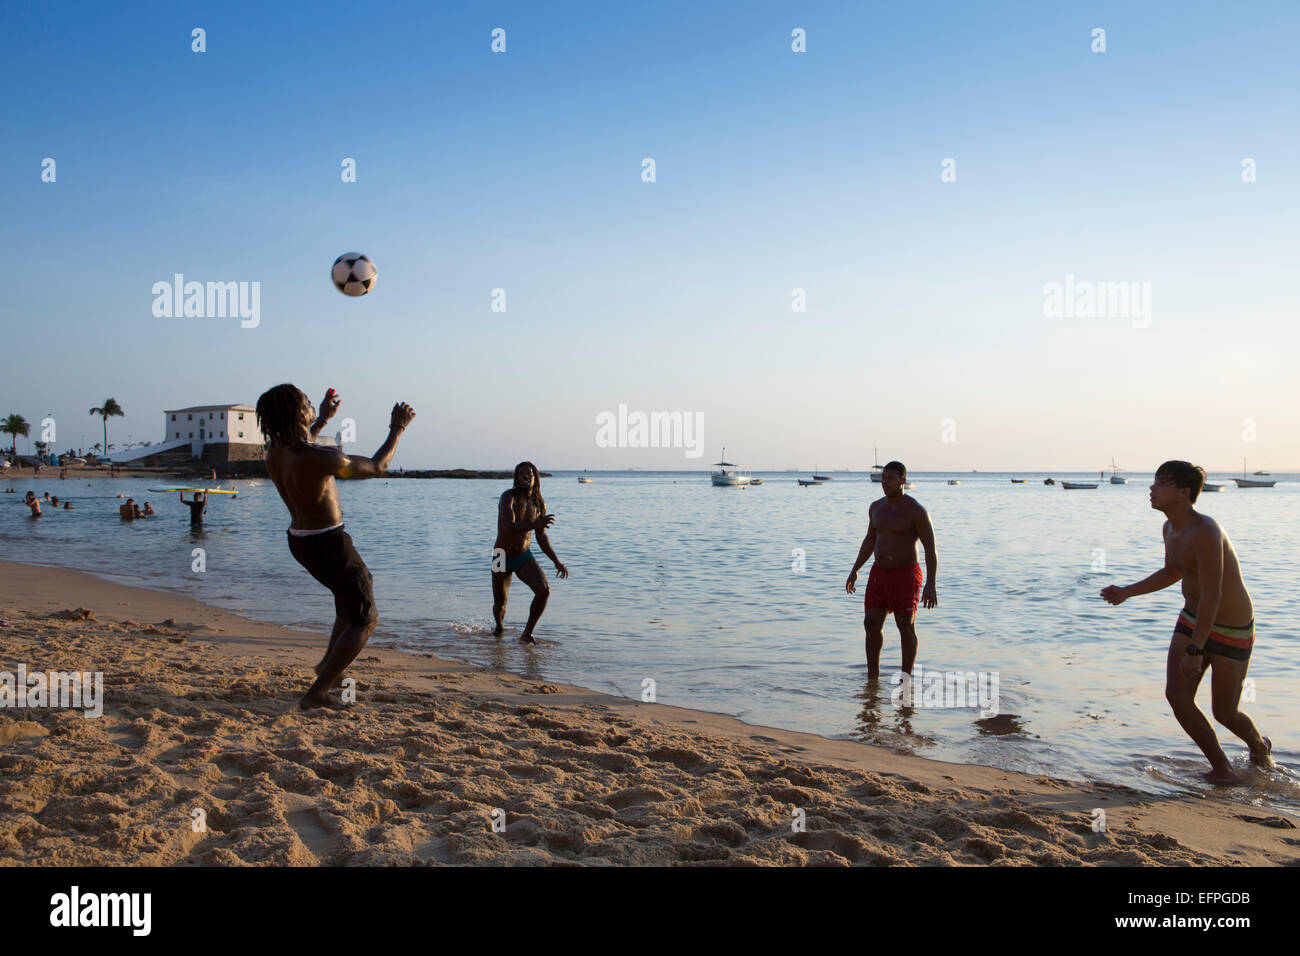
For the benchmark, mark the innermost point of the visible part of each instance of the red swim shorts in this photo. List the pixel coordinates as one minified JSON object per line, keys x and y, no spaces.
{"x":897,"y":590}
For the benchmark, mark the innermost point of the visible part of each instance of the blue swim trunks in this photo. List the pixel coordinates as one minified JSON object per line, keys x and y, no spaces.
{"x":517,"y":561}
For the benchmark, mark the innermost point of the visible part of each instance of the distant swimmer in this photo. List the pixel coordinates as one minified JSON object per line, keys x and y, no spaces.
{"x":127,"y":509}
{"x":1216,"y":627}
{"x":304,"y":475}
{"x":897,"y":522}
{"x":67,"y":506}
{"x":197,"y":505}
{"x":148,"y":509}
{"x":34,"y":503}
{"x":520,"y":512}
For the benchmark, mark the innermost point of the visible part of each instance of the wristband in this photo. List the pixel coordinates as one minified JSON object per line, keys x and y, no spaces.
{"x":1194,"y":651}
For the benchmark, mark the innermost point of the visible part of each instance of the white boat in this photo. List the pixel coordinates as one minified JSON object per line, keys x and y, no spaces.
{"x":722,"y":478}
{"x":877,"y":469}
{"x":1209,"y":487}
{"x":1244,"y":482}
{"x":1078,"y":485}
{"x":1116,"y":477}
{"x":756,"y":481}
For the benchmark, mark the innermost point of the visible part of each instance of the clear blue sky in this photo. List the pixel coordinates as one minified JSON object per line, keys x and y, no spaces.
{"x":775,"y":170}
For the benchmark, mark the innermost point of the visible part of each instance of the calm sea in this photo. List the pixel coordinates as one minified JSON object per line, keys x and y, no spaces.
{"x":732,"y":600}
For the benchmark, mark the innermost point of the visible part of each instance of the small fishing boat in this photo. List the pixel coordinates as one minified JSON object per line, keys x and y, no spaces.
{"x":817,"y":477}
{"x":877,"y":469}
{"x":1116,"y":477}
{"x":756,"y":481}
{"x":1018,"y":481}
{"x":1078,"y":485}
{"x":584,"y":480}
{"x":804,"y":483}
{"x":1244,"y":482}
{"x":1209,"y":487}
{"x":909,"y":484}
{"x":954,"y":481}
{"x":1049,"y":481}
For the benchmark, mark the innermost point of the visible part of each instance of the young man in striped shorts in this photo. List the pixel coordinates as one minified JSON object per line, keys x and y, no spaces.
{"x":1216,"y":628}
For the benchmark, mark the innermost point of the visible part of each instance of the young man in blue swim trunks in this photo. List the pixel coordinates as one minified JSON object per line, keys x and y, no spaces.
{"x":522,"y":511}
{"x":1216,"y":628}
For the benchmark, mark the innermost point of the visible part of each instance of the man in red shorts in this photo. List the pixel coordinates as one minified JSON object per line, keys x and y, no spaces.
{"x":897,"y":522}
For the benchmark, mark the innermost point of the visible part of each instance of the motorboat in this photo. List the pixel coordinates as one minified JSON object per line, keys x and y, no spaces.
{"x":722,"y":478}
{"x":1078,"y":485}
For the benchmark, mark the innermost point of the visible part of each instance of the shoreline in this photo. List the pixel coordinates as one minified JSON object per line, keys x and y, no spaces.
{"x":200,"y":713}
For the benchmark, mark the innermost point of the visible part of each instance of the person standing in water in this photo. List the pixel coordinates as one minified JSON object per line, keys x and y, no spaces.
{"x":520,"y":512}
{"x":1216,"y":627}
{"x":304,"y":475}
{"x":198,"y":505}
{"x":897,"y":523}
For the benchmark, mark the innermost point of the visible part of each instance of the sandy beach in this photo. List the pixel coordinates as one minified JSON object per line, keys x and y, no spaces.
{"x":200,"y":715}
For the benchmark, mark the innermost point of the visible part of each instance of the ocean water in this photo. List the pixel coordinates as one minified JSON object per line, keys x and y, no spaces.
{"x":732,"y":600}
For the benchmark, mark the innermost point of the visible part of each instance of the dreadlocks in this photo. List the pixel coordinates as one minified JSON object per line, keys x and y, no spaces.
{"x":279,"y":414}
{"x":537,"y":485}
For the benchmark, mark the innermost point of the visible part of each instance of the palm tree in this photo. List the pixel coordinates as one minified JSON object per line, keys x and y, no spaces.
{"x":15,"y":425}
{"x":110,"y":408}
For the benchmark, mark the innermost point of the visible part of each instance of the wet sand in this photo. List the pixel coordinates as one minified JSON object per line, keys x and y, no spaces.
{"x":440,"y":762}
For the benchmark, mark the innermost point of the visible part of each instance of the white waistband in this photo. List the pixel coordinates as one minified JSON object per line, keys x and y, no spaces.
{"x":300,"y":533}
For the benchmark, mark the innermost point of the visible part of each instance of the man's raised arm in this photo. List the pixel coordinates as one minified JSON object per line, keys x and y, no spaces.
{"x":355,"y":466}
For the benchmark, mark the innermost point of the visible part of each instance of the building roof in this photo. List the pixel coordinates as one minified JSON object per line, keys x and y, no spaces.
{"x":238,"y":406}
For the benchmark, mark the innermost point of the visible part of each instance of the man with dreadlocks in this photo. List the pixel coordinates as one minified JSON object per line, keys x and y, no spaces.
{"x":304,"y":475}
{"x":522,"y":511}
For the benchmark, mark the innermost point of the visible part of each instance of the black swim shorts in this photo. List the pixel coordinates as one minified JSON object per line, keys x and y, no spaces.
{"x":331,"y":559}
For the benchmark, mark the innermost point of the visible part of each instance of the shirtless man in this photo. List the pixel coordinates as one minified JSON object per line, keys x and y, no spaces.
{"x":197,"y":505}
{"x":34,"y":503}
{"x":1216,"y":628}
{"x":304,"y":476}
{"x":522,"y":511}
{"x":127,"y":509}
{"x":897,"y":522}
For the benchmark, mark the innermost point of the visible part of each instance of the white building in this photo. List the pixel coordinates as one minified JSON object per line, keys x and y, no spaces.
{"x":220,"y":432}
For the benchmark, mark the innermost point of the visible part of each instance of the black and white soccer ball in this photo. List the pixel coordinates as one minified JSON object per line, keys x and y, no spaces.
{"x":354,"y":274}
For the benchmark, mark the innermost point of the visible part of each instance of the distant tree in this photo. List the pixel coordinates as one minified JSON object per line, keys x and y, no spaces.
{"x":15,"y":425}
{"x":109,"y":409}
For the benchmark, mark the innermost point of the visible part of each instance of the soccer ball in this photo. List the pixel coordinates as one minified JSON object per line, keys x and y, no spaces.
{"x":354,"y":274}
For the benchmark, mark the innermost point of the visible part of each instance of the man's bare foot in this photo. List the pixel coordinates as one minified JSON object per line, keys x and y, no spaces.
{"x":527,"y":639}
{"x":498,"y":630}
{"x":312,"y":701}
{"x":1222,"y":776}
{"x":1263,"y":758}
